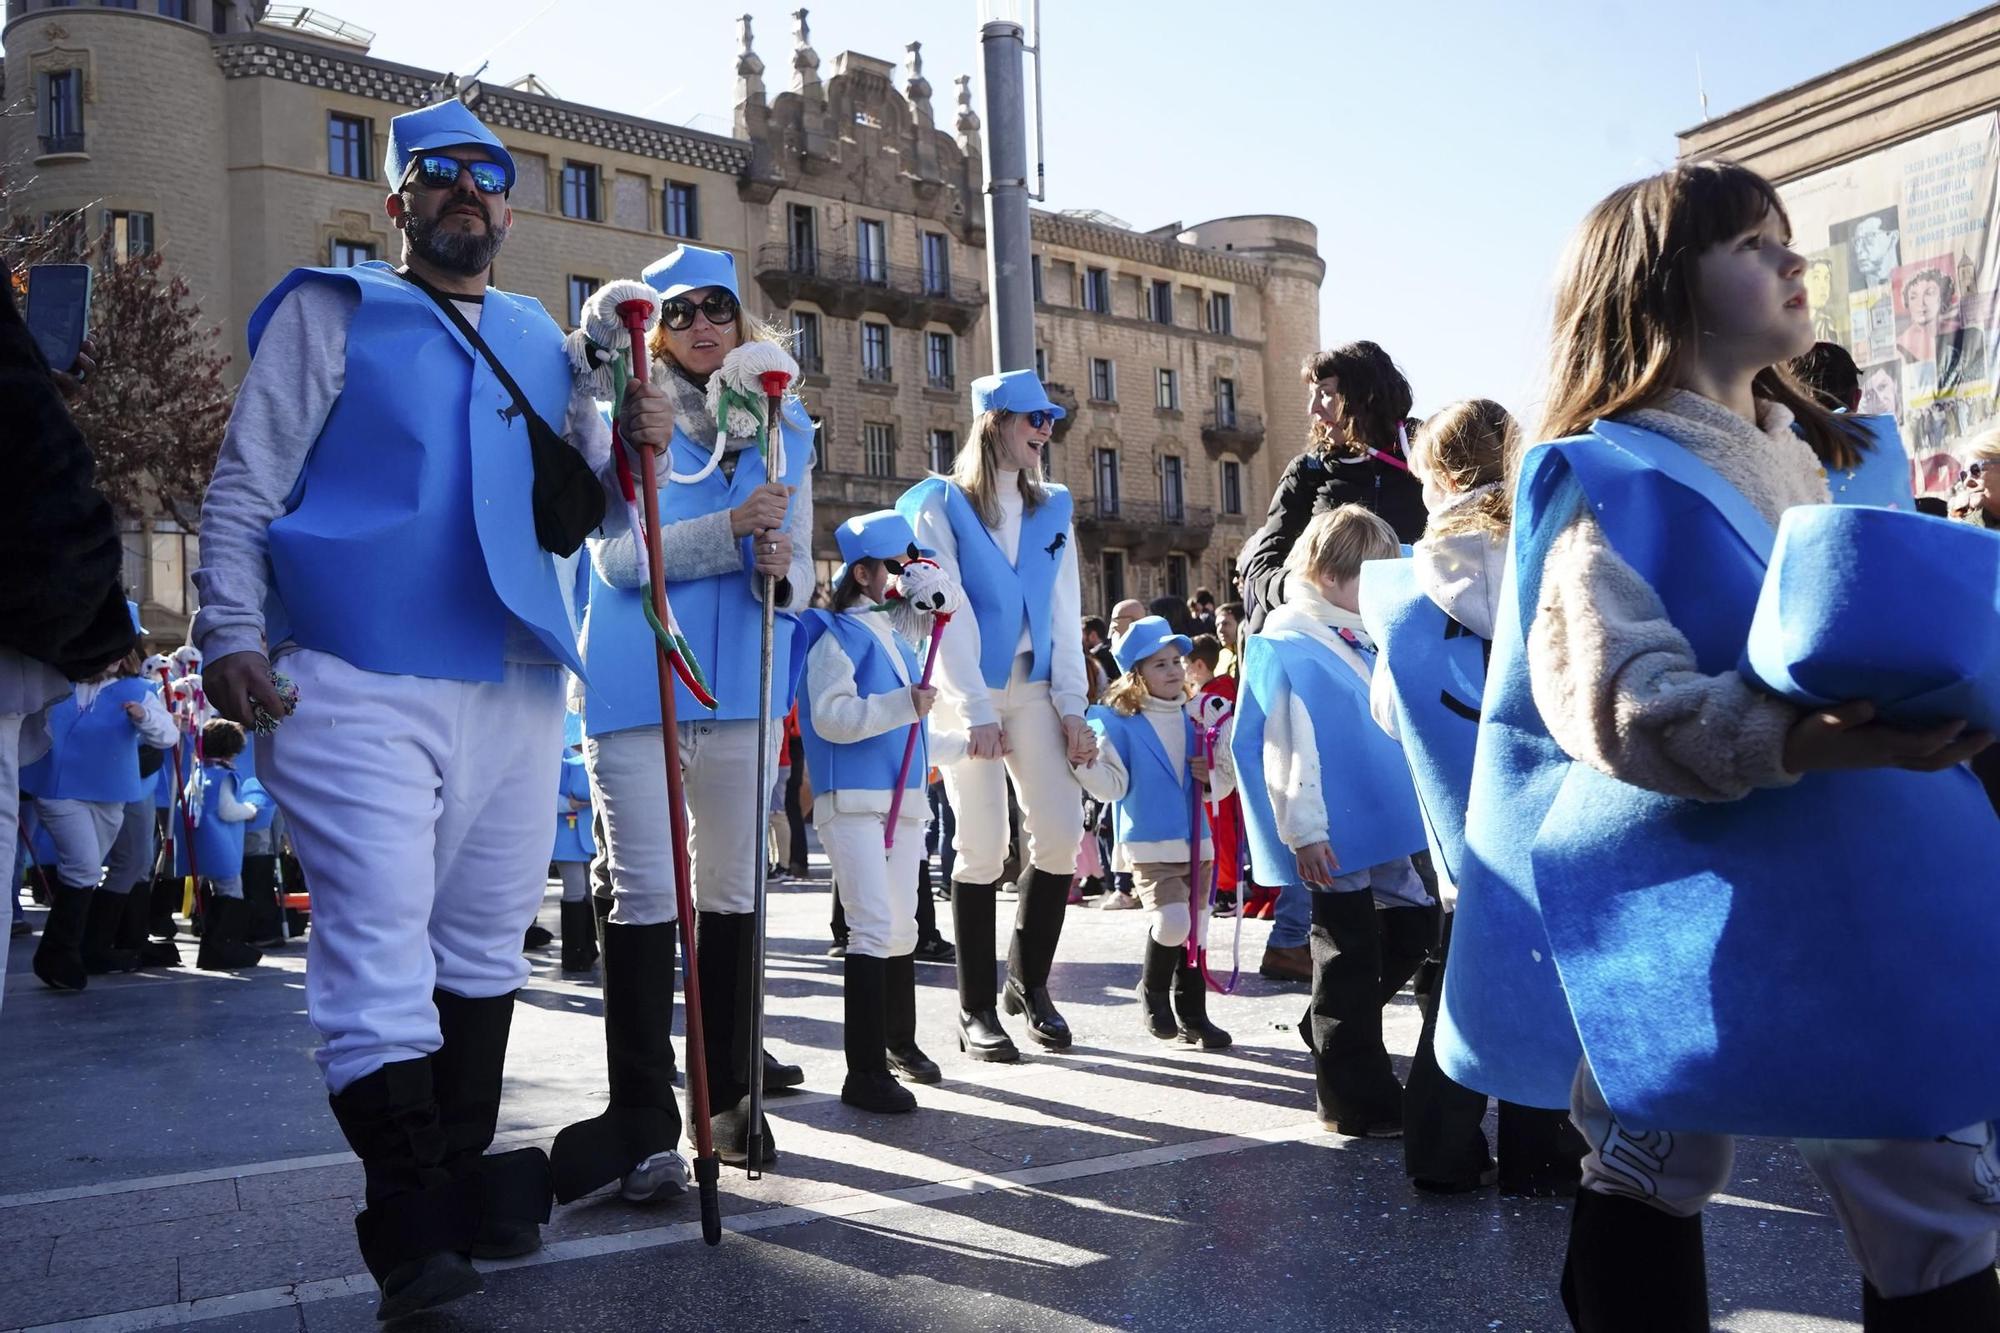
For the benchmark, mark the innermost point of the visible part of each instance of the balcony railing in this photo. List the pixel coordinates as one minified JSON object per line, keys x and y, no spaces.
{"x":62,"y":143}
{"x":845,"y":284}
{"x":878,"y":374}
{"x":810,"y":363}
{"x":946,"y":380}
{"x":1232,"y":430}
{"x":1147,"y":528}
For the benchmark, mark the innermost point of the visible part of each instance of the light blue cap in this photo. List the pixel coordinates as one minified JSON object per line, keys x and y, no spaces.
{"x":1143,"y":638}
{"x":882,"y":535}
{"x":572,"y":729}
{"x":687,"y":267}
{"x":443,"y":125}
{"x":1012,"y":391}
{"x":132,"y":609}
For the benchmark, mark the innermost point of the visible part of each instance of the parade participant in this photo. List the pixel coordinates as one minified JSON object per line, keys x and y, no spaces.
{"x":1011,"y":675}
{"x":1714,"y":870}
{"x":1335,"y":811}
{"x":1149,"y":765}
{"x":574,"y":849}
{"x":391,"y":478}
{"x":722,"y":538}
{"x":1206,"y":681}
{"x":863,"y":692}
{"x":218,"y":838}
{"x":1432,"y":620}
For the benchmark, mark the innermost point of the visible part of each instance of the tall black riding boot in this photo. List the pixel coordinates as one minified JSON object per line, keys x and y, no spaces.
{"x":643,"y":1119}
{"x":1971,"y":1303}
{"x":1634,"y":1269}
{"x":417,"y":1231}
{"x":723,"y":946}
{"x":100,"y":949}
{"x":579,"y":936}
{"x":1541,"y":1154}
{"x":265,"y":918}
{"x":1038,"y":923}
{"x":979,"y":1032}
{"x":222,"y":946}
{"x":132,"y":927}
{"x":165,"y":894}
{"x":1156,"y":979}
{"x":59,"y":955}
{"x":466,"y":1071}
{"x":1444,"y":1142}
{"x":869,"y":1084}
{"x":1356,"y":1086}
{"x":899,"y":1033}
{"x":1191,"y":1007}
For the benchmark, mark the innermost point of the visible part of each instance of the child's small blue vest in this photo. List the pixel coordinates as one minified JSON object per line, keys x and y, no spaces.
{"x":864,"y":765}
{"x":93,"y":753}
{"x":1371,"y":808}
{"x":574,"y":840}
{"x":720,"y":615}
{"x":1156,"y":801}
{"x":1000,"y":593}
{"x":408,"y":545}
{"x":218,"y":843}
{"x":1813,"y":960}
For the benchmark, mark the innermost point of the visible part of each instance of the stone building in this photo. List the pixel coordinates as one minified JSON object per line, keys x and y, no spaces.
{"x":241,"y":139}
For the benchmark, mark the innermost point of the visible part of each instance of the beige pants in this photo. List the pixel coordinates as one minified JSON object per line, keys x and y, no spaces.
{"x":1038,"y":762}
{"x":1164,"y":891}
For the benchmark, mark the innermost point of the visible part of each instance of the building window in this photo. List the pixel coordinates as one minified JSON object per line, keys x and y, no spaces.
{"x":1097,"y":290}
{"x":1177,"y":576}
{"x":1232,"y":488}
{"x":131,"y":234}
{"x":1107,"y":481}
{"x":1225,"y":402}
{"x":1042,"y":364}
{"x":579,"y":191}
{"x":938,"y":360}
{"x":872,"y":257}
{"x":1160,"y":302}
{"x":820,"y":441}
{"x":1113,"y":567}
{"x":346,"y":254}
{"x":1035,"y":276}
{"x":802,"y":237}
{"x":944,"y":448}
{"x":937,"y":263}
{"x":1168,"y":393}
{"x":805,"y":342}
{"x":678,"y":212}
{"x":875,"y":352}
{"x":580,"y":289}
{"x":1103,"y":380}
{"x":1220,"y":319}
{"x":878,"y":449}
{"x":348,"y":146}
{"x":1173,"y":492}
{"x":175,"y":9}
{"x":60,"y":111}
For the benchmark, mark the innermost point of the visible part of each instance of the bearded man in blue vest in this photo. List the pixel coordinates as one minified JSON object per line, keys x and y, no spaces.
{"x":381,"y":517}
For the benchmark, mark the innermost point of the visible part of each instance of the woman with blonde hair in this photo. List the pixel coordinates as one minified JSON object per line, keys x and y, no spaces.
{"x":1010,"y":674}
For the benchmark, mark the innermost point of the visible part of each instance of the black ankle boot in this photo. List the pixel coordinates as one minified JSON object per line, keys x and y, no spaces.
{"x":466,"y":1072}
{"x":1038,"y":923}
{"x":869,"y":1084}
{"x":1156,"y":975}
{"x":132,"y":930}
{"x":222,"y":946}
{"x":899,"y":1031}
{"x":1191,"y":1007}
{"x":1971,"y":1303}
{"x":164,"y":899}
{"x":264,"y":917}
{"x":59,"y":955}
{"x":579,"y":936}
{"x":1634,"y":1269}
{"x":99,"y":948}
{"x":979,"y":1032}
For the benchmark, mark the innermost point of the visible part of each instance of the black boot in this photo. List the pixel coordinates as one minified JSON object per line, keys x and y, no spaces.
{"x":1634,"y":1269}
{"x":1541,"y":1154}
{"x":536,"y":936}
{"x":1444,"y":1141}
{"x":979,"y":1032}
{"x":99,"y":949}
{"x":164,"y":894}
{"x":59,"y":955}
{"x":1191,"y":1007}
{"x":417,"y":1231}
{"x":1038,"y":923}
{"x":723,"y":947}
{"x":1355,"y":1084}
{"x":1971,"y":1303}
{"x":132,"y":930}
{"x":869,"y":1084}
{"x":643,"y":1119}
{"x":222,"y":946}
{"x":579,"y":937}
{"x":265,"y":919}
{"x":899,"y":1008}
{"x":600,"y":912}
{"x":513,"y":1186}
{"x":1156,"y":976}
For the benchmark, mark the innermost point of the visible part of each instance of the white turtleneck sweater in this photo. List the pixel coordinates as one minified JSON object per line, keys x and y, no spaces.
{"x":1291,"y":746}
{"x":1106,"y":779}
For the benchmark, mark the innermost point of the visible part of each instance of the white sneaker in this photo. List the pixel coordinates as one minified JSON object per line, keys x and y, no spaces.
{"x":1118,"y":902}
{"x":660,"y":1176}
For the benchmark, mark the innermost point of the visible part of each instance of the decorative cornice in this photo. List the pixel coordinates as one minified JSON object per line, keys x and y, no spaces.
{"x":1058,"y":229}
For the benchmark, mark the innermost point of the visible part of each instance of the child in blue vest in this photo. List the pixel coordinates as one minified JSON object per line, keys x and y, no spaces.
{"x":1149,"y":765}
{"x":1698,"y":909}
{"x":1335,"y":811}
{"x":228,"y":803}
{"x":574,"y":849}
{"x":860,"y":698}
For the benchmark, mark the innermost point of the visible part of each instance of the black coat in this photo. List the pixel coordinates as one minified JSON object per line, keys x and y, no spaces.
{"x":1313,"y":484}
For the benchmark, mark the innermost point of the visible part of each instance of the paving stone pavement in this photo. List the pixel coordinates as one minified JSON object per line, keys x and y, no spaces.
{"x":171,"y":1162}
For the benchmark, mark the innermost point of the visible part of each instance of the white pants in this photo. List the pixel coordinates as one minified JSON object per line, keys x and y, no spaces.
{"x":131,"y":855}
{"x":1917,"y":1214}
{"x":878,"y":887}
{"x":420,"y":811}
{"x":10,"y":804}
{"x":1051,"y":802}
{"x":575,"y":880}
{"x":83,"y":832}
{"x":726,"y":821}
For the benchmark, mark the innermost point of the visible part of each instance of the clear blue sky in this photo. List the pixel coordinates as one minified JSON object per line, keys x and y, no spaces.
{"x":1444,"y":148}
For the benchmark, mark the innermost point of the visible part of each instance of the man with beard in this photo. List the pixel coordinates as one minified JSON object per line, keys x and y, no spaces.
{"x":380,"y":517}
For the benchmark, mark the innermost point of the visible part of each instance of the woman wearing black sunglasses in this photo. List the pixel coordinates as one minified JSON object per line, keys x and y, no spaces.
{"x":1011,"y":674}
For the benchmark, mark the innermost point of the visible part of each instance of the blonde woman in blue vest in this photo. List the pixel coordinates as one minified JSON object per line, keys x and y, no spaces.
{"x":375,"y":518}
{"x":722,"y":537}
{"x":859,"y":700}
{"x":1010,"y":674}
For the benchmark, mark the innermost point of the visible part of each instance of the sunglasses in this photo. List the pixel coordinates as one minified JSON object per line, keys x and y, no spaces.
{"x":1038,"y":419}
{"x":435,"y":171}
{"x":719,"y":308}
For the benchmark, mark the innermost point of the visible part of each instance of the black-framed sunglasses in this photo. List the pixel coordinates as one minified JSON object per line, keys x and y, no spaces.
{"x":435,"y":171}
{"x":719,"y":307}
{"x":1038,"y":419}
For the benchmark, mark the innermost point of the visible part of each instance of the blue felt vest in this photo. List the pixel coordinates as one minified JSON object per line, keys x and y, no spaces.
{"x":1000,"y":593}
{"x":864,"y":765}
{"x":1437,"y":680}
{"x":1371,"y":807}
{"x":408,"y":545}
{"x":218,"y":843}
{"x":1882,"y":477}
{"x":1155,"y":805}
{"x":93,"y":753}
{"x":574,"y":840}
{"x":1812,"y":960}
{"x":721,"y":616}
{"x":246,"y":776}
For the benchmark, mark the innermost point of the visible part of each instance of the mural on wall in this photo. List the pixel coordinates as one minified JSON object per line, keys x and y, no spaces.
{"x":1902,"y":256}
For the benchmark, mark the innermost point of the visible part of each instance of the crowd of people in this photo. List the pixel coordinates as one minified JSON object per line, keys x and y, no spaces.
{"x":1476,"y":717}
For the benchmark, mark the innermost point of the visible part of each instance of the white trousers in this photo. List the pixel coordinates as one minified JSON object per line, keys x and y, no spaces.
{"x":83,"y":832}
{"x":1917,"y":1214}
{"x":878,"y":887}
{"x":420,"y":811}
{"x":726,"y":820}
{"x":1051,"y":802}
{"x":575,"y":880}
{"x":131,"y":855}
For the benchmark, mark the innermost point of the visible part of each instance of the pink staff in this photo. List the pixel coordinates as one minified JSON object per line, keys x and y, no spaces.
{"x":938,"y":621}
{"x":1211,"y":713}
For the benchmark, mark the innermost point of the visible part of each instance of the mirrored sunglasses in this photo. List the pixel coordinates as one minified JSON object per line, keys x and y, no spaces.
{"x":437,"y":172}
{"x":1038,"y":419}
{"x":719,"y":307}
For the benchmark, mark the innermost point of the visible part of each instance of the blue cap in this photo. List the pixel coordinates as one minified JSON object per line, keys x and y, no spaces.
{"x":443,"y":125}
{"x":687,"y":267}
{"x":1143,"y":638}
{"x":572,"y":729}
{"x":132,"y":610}
{"x":1012,"y":391}
{"x":882,"y":535}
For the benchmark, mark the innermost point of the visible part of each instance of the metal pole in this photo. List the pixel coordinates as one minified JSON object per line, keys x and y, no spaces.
{"x":1008,"y":258}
